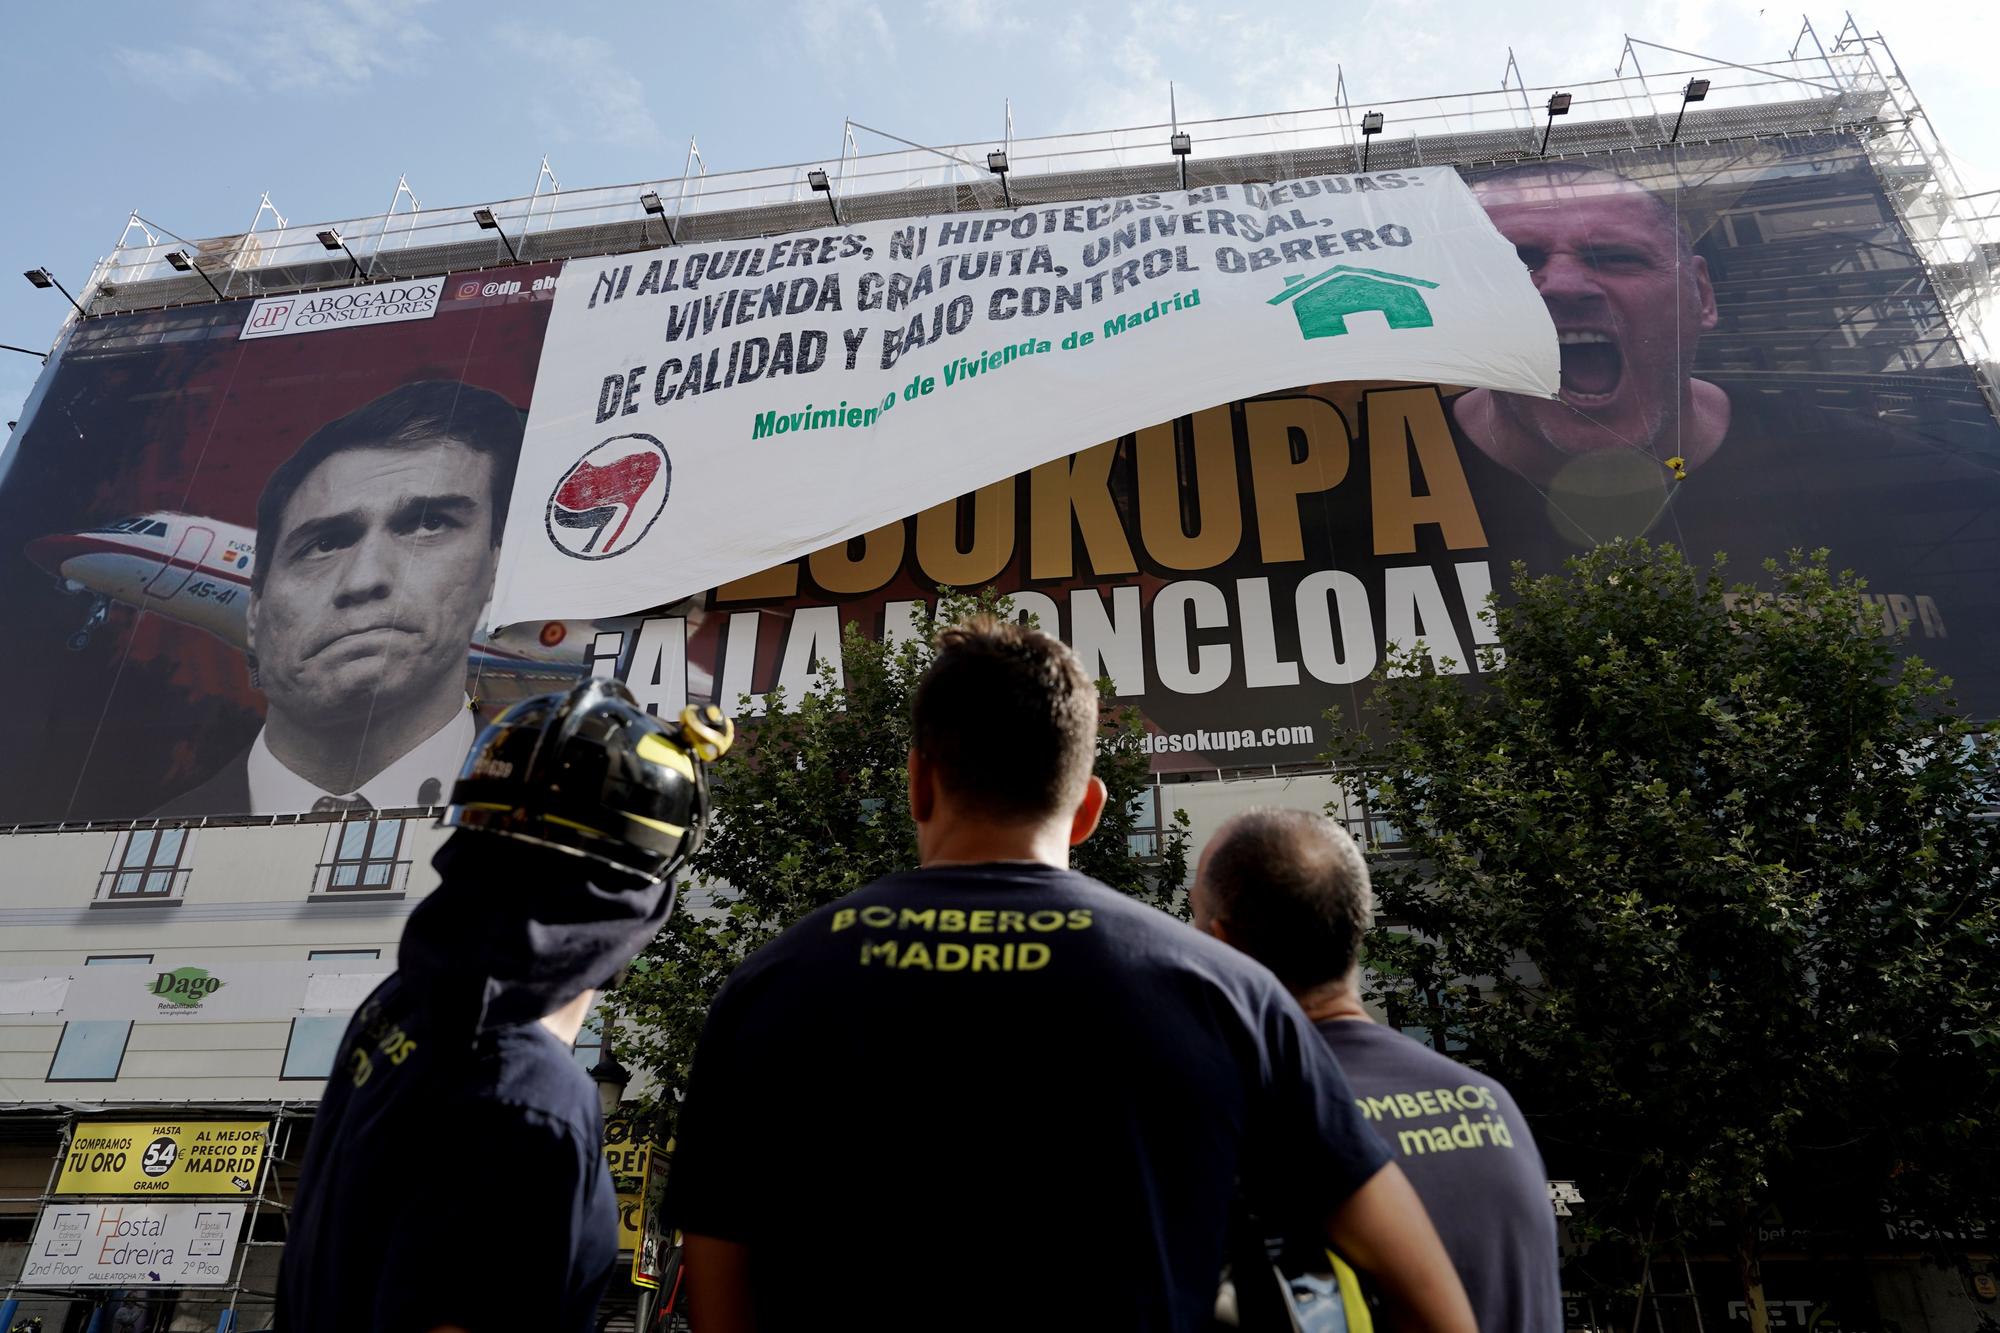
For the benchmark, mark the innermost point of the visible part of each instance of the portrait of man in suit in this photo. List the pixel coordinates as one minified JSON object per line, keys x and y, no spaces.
{"x":377,"y":542}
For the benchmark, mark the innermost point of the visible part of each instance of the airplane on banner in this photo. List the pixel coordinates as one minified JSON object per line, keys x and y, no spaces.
{"x":197,"y":571}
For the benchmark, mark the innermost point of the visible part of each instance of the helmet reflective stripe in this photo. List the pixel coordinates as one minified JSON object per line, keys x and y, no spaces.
{"x":656,"y":751}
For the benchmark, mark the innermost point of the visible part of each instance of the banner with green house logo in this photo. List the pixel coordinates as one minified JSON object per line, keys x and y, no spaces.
{"x":888,"y":366}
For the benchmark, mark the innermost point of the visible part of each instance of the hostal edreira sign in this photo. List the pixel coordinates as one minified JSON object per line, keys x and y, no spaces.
{"x":1750,"y":362}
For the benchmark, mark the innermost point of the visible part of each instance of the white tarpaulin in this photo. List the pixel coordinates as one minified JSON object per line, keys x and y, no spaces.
{"x":339,"y":992}
{"x":702,"y":413}
{"x":246,"y":992}
{"x":32,"y":995}
{"x":125,"y":1244}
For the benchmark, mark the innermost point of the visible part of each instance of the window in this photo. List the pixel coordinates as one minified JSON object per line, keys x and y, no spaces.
{"x":1143,"y":842}
{"x":590,"y":1040}
{"x":314,"y":1041}
{"x":322,"y":955}
{"x":90,"y":1051}
{"x":361,"y":858}
{"x":93,"y":1050}
{"x":1372,"y":830}
{"x":146,"y":866}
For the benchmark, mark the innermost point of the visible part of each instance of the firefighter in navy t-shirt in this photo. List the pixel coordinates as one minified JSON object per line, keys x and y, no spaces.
{"x":1290,"y":889}
{"x":992,"y":1093}
{"x":455,"y":1099}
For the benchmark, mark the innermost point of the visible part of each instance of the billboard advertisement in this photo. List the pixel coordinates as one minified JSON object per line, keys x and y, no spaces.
{"x":249,"y":576}
{"x":169,"y":1157}
{"x":124,"y":1244}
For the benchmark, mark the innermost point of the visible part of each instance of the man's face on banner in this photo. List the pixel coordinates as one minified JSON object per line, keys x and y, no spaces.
{"x":375,"y":581}
{"x":1629,"y":302}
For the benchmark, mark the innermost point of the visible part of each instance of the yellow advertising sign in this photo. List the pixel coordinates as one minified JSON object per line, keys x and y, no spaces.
{"x":646,"y":1257}
{"x":132,"y":1157}
{"x":625,"y":1147}
{"x":628,"y":1221}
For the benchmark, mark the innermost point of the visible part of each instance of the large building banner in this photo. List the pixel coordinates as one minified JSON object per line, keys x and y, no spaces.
{"x":884,"y":369}
{"x":251,"y":575}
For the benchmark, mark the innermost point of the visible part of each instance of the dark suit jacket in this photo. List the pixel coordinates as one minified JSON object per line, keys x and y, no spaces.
{"x":227,"y":793}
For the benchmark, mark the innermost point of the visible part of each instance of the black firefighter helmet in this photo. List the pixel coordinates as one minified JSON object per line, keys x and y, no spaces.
{"x":592,"y":773}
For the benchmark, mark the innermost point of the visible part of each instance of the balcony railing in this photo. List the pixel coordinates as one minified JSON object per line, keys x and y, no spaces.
{"x":143,"y":884}
{"x":348,"y":878}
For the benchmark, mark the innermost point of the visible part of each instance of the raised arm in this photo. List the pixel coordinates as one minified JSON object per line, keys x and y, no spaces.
{"x":718,"y":1277}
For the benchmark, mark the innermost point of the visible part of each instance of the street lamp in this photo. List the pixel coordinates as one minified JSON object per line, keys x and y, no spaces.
{"x":611,"y":1079}
{"x":1371,"y":125}
{"x":178,"y":261}
{"x":1558,"y":106}
{"x":487,"y":222}
{"x":41,"y":279}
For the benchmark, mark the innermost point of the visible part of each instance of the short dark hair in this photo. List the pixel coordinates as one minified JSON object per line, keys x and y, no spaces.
{"x":406,"y":417}
{"x":1007,"y":718}
{"x":1570,"y":171}
{"x":1291,"y":889}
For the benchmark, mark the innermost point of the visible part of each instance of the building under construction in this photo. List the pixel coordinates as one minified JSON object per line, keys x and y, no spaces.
{"x":194,"y":915}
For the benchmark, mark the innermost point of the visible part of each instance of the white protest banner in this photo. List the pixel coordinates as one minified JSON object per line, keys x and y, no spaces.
{"x":705,"y":412}
{"x":122,"y":1244}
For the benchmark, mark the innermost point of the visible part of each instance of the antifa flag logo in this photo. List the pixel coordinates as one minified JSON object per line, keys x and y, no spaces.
{"x":609,"y":499}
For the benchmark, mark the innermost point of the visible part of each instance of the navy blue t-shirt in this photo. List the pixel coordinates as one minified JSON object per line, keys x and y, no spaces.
{"x":1003,"y":1096}
{"x":1462,"y":1142}
{"x":418,"y":1139}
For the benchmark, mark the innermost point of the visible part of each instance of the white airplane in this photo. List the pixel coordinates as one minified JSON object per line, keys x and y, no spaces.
{"x":197,"y":570}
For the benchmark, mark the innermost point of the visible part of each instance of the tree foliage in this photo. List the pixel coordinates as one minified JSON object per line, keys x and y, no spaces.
{"x":812,"y":806}
{"x":1708,"y":877}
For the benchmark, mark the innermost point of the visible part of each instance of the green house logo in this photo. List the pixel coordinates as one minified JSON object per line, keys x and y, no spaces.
{"x":185,"y":986}
{"x":1322,"y":304}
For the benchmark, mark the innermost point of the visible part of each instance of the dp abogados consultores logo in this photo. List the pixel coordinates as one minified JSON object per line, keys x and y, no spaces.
{"x":610,"y":497}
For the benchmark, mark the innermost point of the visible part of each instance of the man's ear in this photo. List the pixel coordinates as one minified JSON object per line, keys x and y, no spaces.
{"x":1089,"y":810}
{"x":923,"y":793}
{"x":1705,"y":291}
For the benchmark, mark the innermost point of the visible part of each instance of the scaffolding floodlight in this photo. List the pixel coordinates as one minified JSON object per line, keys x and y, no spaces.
{"x":179,"y":261}
{"x":1558,"y":106}
{"x":650,"y":202}
{"x":487,"y":222}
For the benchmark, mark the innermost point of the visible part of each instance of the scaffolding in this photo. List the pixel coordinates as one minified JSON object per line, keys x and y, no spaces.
{"x":1853,"y":85}
{"x":226,"y":1301}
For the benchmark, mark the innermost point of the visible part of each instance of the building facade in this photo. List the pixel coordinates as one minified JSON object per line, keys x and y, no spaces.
{"x":186,"y":921}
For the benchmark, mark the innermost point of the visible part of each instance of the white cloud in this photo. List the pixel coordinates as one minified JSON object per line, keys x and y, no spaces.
{"x":974,"y":18}
{"x":592,"y":97}
{"x":849,"y":29}
{"x":331,"y":47}
{"x":179,"y":71}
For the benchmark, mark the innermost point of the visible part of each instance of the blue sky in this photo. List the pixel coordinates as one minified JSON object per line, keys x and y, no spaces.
{"x":187,"y":109}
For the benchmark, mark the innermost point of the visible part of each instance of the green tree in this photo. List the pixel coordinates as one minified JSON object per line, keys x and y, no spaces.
{"x":1708,"y":877}
{"x":811,"y":806}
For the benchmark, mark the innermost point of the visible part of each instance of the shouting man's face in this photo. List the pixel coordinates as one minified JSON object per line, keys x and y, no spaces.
{"x":1629,"y":301}
{"x":372,"y":587}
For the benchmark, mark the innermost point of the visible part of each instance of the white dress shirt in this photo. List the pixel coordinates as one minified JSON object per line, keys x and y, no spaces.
{"x":276,"y":790}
